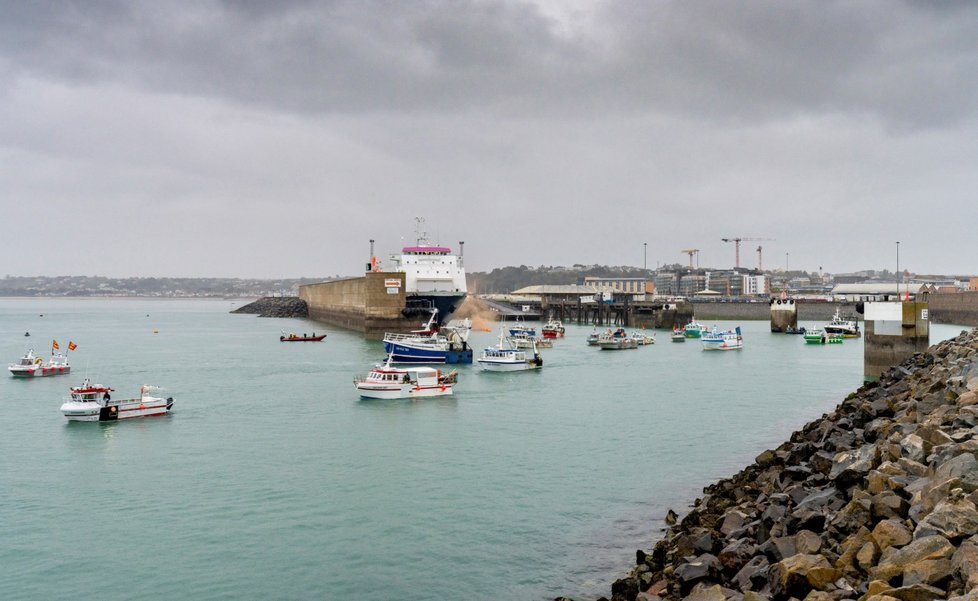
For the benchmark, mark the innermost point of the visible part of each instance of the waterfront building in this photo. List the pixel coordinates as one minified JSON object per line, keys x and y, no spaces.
{"x":626,"y":285}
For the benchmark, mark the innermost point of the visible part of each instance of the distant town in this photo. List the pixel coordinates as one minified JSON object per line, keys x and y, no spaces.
{"x":667,"y":280}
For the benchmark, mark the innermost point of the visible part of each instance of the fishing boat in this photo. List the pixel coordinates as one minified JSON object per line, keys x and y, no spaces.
{"x":716,"y":340}
{"x":93,"y":403}
{"x":303,"y":338}
{"x":694,"y":329}
{"x":553,"y":329}
{"x":32,"y":366}
{"x":431,"y":344}
{"x":845,"y":326}
{"x":593,"y":337}
{"x":388,"y":382}
{"x":520,"y":327}
{"x":678,"y":336}
{"x":643,"y":339}
{"x":505,"y":357}
{"x":821,"y":336}
{"x":616,"y":341}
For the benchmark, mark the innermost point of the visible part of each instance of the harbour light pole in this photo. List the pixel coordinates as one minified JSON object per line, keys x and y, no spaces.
{"x":899,"y":275}
{"x":786,"y":263}
{"x":645,"y":256}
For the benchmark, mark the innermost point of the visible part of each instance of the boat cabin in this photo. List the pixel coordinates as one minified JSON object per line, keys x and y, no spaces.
{"x":89,"y":393}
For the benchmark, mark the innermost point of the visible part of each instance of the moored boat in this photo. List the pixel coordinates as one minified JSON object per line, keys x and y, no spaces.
{"x":93,"y":403}
{"x":388,"y":382}
{"x":821,"y":336}
{"x":643,"y":339}
{"x":694,"y":329}
{"x":520,"y":327}
{"x":845,"y":326}
{"x":716,"y":340}
{"x":505,"y":357}
{"x":32,"y":366}
{"x":553,"y":329}
{"x":678,"y":335}
{"x":616,"y":341}
{"x":593,"y":337}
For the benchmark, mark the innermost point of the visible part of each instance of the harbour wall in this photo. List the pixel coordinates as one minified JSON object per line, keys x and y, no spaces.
{"x":366,"y":304}
{"x":959,"y":308}
{"x":822,"y":312}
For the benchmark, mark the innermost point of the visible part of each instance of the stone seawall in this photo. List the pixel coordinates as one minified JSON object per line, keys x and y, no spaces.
{"x":365,"y":304}
{"x":821,"y":312}
{"x":276,"y":306}
{"x":875,"y":501}
{"x":959,"y":308}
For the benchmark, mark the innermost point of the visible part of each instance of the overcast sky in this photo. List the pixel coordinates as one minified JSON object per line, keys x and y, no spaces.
{"x":274,"y":139}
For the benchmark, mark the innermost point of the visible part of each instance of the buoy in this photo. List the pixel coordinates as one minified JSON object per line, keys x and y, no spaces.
{"x":156,"y":331}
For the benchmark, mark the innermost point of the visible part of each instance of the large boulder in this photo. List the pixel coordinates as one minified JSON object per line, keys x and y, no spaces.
{"x":915,"y":557}
{"x":796,"y":576}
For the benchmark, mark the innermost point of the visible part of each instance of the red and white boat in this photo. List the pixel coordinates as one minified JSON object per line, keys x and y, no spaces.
{"x":553,"y":329}
{"x":388,"y":382}
{"x":93,"y":403}
{"x":32,"y":366}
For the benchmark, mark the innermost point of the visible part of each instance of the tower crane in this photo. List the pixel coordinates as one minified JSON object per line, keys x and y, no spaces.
{"x":691,"y":252}
{"x":737,"y":242}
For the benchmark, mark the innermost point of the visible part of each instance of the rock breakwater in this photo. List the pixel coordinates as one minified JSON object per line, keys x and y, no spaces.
{"x":276,"y":306}
{"x":875,"y":501}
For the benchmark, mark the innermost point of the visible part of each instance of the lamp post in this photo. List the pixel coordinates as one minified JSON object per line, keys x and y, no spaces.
{"x":786,"y":263}
{"x":899,"y":275}
{"x":645,"y":256}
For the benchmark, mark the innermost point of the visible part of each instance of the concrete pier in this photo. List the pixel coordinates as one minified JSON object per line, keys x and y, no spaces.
{"x":371,"y":305}
{"x":894,"y":331}
{"x":784,"y":315}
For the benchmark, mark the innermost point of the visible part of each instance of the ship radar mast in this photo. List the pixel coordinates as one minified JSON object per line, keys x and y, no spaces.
{"x":419,"y":233}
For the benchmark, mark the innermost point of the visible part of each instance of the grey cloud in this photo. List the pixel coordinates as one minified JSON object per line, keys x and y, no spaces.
{"x":909,"y":64}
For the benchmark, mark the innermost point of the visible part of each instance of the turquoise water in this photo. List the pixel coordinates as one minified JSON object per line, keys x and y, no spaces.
{"x":271,"y":480}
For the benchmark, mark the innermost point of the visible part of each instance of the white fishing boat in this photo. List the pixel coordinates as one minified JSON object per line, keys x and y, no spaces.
{"x":845,"y":326}
{"x":715,"y":340}
{"x":32,"y":366}
{"x":616,"y":341}
{"x":643,"y":339}
{"x":506,"y":357}
{"x":93,"y":403}
{"x":593,"y":337}
{"x":388,"y":382}
{"x":678,"y":335}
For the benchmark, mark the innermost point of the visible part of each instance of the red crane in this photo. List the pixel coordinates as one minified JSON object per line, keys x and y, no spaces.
{"x":737,"y":242}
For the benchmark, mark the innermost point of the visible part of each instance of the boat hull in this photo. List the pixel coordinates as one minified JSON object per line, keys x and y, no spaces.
{"x":507,"y":366}
{"x":406,"y":391}
{"x":721,"y":345}
{"x":38,"y":372}
{"x":114,"y":411}
{"x":410,"y":354}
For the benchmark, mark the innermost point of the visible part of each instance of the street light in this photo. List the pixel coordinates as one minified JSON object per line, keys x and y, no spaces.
{"x":645,"y":256}
{"x":899,"y":275}
{"x":786,"y":263}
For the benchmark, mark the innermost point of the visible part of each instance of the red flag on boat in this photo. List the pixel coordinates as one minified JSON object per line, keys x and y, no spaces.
{"x":72,"y":346}
{"x":54,"y":345}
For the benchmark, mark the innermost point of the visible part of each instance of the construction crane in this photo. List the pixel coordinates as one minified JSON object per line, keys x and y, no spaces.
{"x":737,"y":242}
{"x":691,"y":252}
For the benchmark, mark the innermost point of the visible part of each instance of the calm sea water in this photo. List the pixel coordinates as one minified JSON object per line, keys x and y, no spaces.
{"x":272,"y":480}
